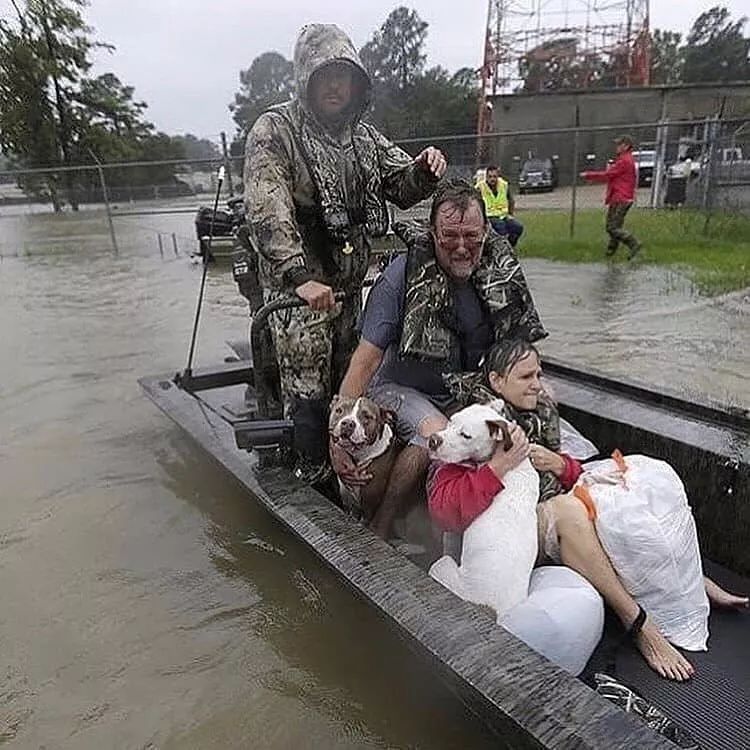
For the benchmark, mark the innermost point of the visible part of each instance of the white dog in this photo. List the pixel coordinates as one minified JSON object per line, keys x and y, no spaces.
{"x":500,"y":546}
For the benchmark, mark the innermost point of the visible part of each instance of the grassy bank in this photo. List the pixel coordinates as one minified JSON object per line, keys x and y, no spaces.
{"x":716,"y":262}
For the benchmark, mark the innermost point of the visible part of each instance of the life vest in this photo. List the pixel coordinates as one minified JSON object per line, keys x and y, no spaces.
{"x":495,"y":204}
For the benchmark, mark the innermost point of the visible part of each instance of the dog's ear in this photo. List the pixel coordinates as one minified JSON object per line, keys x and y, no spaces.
{"x":499,"y":431}
{"x":334,"y":401}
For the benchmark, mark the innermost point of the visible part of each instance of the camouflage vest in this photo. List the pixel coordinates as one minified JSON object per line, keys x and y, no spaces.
{"x":344,"y":201}
{"x":428,"y":334}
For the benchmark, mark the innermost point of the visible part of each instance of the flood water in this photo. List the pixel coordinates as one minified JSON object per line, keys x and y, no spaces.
{"x":146,"y":602}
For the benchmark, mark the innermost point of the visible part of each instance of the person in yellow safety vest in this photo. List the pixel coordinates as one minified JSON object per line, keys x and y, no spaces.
{"x":499,"y":205}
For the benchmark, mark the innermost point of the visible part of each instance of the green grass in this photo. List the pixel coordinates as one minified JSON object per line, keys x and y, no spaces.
{"x":716,"y":262}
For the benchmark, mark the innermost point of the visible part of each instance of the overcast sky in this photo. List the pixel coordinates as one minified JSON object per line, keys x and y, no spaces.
{"x":183,"y":56}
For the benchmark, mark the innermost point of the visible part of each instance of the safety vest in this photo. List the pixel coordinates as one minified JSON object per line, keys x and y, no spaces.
{"x":496,"y":205}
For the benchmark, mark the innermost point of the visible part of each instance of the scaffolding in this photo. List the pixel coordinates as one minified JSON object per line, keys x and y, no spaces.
{"x":533,"y":46}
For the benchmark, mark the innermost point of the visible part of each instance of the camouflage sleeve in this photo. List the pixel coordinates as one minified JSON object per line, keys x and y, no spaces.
{"x":404,"y":183}
{"x":269,"y":205}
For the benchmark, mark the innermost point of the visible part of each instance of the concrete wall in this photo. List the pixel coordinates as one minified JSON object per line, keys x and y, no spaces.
{"x":515,"y":112}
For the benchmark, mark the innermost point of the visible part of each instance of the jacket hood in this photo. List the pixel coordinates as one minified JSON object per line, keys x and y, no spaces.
{"x":318,"y":45}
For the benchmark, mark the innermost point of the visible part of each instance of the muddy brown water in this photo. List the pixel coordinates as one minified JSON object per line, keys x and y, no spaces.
{"x":146,"y":602}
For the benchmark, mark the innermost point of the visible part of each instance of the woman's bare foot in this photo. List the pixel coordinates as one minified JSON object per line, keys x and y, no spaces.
{"x":721,"y":598}
{"x":661,"y":655}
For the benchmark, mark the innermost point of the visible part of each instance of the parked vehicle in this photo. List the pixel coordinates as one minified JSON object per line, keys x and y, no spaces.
{"x":644,"y":163}
{"x":537,"y":174}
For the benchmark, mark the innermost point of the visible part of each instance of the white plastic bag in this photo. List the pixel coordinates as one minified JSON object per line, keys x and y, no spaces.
{"x":647,"y":529}
{"x":562,"y":618}
{"x":575,"y":444}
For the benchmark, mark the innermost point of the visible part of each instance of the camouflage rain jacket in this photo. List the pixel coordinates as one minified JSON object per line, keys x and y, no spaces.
{"x":428,"y":333}
{"x":314,"y":197}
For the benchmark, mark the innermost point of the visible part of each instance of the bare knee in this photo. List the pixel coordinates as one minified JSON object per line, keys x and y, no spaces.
{"x":569,"y":513}
{"x":430,"y":425}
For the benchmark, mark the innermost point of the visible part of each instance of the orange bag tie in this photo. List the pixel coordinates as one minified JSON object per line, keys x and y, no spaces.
{"x":619,"y":459}
{"x":583,"y":494}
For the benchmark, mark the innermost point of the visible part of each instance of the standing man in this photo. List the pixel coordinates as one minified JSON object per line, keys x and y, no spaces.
{"x":621,"y":179}
{"x":499,"y":204}
{"x":316,"y":183}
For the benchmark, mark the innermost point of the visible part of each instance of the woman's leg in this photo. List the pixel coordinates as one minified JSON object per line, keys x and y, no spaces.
{"x":581,"y":550}
{"x":721,"y":598}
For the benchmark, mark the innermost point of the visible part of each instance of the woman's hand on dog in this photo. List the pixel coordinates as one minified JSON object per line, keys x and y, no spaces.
{"x":503,"y":461}
{"x":346,"y":470}
{"x":544,"y":459}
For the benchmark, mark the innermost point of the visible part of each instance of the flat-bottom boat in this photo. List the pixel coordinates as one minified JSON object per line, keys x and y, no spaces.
{"x":521,"y":696}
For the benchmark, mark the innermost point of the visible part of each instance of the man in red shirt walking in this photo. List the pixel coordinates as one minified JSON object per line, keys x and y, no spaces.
{"x":621,"y":179}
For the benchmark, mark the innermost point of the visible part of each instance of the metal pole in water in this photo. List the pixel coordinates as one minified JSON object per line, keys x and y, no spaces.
{"x":105,"y":195}
{"x":174,"y":245}
{"x":161,"y":247}
{"x":189,"y":369}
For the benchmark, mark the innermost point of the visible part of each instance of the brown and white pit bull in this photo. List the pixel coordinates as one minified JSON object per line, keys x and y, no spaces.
{"x":365,"y":431}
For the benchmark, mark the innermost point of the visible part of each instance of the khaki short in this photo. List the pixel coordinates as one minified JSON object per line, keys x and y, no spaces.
{"x":549,"y":543}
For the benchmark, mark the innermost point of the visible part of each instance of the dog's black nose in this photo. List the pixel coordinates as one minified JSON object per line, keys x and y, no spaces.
{"x":434,"y":442}
{"x":347,"y":427}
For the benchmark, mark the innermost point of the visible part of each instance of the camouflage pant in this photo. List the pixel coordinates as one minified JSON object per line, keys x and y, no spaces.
{"x":616,"y":213}
{"x":313,"y":348}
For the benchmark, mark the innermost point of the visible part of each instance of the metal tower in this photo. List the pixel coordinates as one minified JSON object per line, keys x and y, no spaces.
{"x":543,"y":45}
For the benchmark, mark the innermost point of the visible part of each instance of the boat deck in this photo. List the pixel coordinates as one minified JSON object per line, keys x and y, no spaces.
{"x":713,"y":707}
{"x":516,"y":692}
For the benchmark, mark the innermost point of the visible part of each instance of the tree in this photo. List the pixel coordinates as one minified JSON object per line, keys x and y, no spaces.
{"x":55,"y":42}
{"x":27,"y":130}
{"x":667,"y":57}
{"x":395,"y":55}
{"x":555,"y":65}
{"x":107,"y":103}
{"x":197,"y":148}
{"x":716,"y":48}
{"x":269,"y":80}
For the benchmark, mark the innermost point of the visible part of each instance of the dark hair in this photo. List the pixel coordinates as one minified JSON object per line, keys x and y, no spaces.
{"x":505,"y":355}
{"x":460,"y":193}
{"x":626,"y":140}
{"x":493,"y":168}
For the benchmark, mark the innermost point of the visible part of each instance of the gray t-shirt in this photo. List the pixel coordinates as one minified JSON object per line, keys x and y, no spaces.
{"x":382,"y":321}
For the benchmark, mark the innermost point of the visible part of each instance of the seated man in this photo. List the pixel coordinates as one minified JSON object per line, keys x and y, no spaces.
{"x":499,"y":205}
{"x":433,"y":311}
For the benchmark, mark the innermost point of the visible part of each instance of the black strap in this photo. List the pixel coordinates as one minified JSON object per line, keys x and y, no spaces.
{"x":629,"y":636}
{"x":637,"y":626}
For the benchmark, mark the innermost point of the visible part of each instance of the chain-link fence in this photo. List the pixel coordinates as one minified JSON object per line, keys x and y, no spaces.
{"x":701,"y":164}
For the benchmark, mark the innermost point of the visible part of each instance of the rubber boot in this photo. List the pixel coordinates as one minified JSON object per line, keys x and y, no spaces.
{"x":310,"y":417}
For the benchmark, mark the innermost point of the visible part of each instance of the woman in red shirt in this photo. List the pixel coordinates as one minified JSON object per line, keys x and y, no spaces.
{"x":457,"y":494}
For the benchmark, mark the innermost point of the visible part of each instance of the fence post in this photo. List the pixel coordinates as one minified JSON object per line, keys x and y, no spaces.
{"x":227,"y":163}
{"x":174,"y":245}
{"x":575,"y":186}
{"x":103,"y":183}
{"x":711,"y":133}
